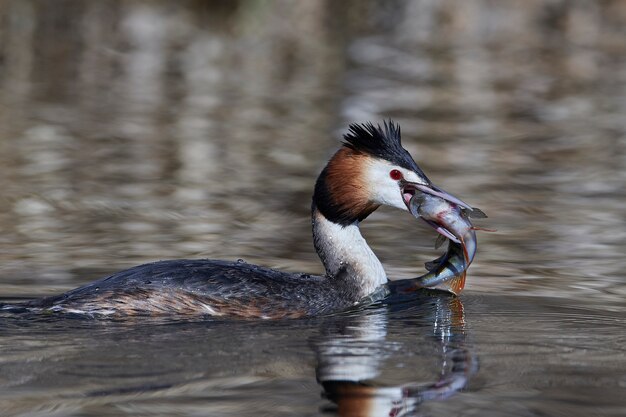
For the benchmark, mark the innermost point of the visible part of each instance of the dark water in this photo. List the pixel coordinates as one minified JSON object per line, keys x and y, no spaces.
{"x":133,"y":131}
{"x":429,"y":355}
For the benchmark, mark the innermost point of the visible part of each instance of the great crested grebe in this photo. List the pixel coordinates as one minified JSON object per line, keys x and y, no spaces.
{"x":370,"y":169}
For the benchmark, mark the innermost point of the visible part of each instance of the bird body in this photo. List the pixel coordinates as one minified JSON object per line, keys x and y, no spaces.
{"x":371,"y":169}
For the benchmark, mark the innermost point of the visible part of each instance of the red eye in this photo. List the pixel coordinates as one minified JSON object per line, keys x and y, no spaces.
{"x":395,"y":175}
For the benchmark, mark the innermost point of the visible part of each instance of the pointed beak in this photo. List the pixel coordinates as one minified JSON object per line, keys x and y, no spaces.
{"x":410,"y":188}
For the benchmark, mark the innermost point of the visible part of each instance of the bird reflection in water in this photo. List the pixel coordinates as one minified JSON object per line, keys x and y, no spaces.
{"x":383,"y":360}
{"x":351,"y":357}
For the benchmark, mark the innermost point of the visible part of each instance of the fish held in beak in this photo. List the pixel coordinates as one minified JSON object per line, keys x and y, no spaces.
{"x":450,"y":217}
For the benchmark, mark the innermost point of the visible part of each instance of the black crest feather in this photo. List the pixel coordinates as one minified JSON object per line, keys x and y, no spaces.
{"x":381,"y":142}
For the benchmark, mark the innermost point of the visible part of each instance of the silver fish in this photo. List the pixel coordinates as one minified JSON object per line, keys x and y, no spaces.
{"x":452,"y":221}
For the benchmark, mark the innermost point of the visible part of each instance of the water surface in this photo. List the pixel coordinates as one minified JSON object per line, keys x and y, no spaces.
{"x":137,"y":131}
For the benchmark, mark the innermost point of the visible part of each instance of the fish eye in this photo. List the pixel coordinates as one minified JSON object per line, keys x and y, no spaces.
{"x":396,"y":175}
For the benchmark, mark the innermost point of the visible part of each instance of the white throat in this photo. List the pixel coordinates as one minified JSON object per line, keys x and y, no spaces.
{"x":343,"y":250}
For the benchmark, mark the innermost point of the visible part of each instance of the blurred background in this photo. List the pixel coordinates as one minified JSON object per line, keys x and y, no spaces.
{"x":132,"y":131}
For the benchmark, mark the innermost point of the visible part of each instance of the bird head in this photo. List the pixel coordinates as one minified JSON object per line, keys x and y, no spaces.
{"x":371,"y":169}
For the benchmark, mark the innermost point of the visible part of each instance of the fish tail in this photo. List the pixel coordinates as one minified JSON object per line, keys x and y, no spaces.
{"x":457,"y":284}
{"x":453,"y":285}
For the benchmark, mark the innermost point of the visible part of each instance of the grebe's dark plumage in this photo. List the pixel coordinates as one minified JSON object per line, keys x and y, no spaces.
{"x":382,"y":142}
{"x":205,"y":287}
{"x":371,"y":169}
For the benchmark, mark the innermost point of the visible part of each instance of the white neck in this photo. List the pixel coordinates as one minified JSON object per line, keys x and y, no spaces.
{"x":346,"y":255}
